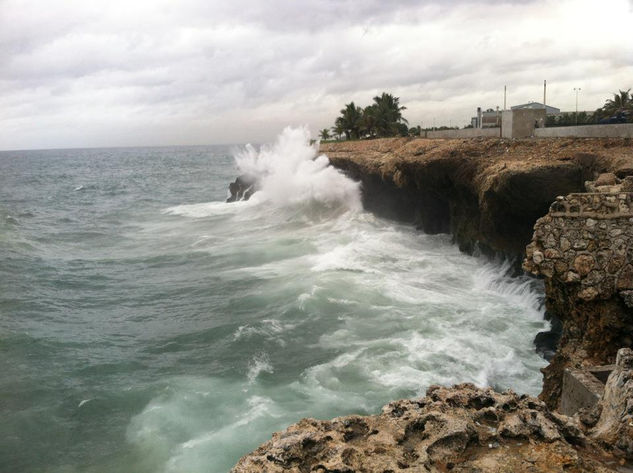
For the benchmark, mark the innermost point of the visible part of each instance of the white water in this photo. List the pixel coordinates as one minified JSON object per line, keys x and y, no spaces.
{"x":351,"y":311}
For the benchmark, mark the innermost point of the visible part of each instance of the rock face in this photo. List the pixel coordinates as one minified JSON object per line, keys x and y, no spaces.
{"x":584,"y":250}
{"x":615,"y":426}
{"x":487,"y":192}
{"x":459,"y":429}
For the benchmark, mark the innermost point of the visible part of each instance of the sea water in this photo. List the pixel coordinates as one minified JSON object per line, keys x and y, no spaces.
{"x":148,"y":326}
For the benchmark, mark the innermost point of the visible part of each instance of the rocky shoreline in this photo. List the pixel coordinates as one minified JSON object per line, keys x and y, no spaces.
{"x":458,"y":429}
{"x":569,"y":201}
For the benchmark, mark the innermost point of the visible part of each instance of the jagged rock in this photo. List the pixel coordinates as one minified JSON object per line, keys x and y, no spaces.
{"x":242,"y":188}
{"x":461,"y":429}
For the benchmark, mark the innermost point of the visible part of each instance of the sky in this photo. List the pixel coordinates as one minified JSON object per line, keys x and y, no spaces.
{"x":155,"y":72}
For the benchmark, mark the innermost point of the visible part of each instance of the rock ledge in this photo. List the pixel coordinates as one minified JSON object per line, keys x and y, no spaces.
{"x":458,"y":429}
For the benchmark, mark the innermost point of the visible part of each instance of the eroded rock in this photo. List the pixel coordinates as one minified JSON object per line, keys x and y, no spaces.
{"x":461,"y":429}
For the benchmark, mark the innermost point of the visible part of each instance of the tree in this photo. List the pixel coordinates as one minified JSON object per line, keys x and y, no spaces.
{"x":338,"y":130}
{"x":324,"y":134}
{"x":369,"y":121}
{"x":388,"y":115}
{"x":620,"y":102}
{"x":350,"y":120}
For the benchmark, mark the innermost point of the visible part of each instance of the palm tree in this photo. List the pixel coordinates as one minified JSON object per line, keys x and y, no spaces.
{"x":369,"y":121}
{"x":324,"y":134}
{"x":620,"y":102}
{"x":338,"y":129}
{"x":350,"y":120}
{"x":388,"y":112}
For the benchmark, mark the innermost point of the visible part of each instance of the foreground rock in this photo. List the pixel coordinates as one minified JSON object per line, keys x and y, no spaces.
{"x":584,"y":250}
{"x":487,"y":192}
{"x":459,"y":429}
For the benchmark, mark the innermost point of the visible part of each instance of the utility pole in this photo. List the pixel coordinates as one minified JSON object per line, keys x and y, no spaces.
{"x":545,"y":95}
{"x":504,"y":96}
{"x":577,"y":89}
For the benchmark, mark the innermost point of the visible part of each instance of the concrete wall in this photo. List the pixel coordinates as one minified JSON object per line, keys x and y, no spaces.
{"x":621,"y":130}
{"x":521,"y":123}
{"x":465,"y":133}
{"x":580,"y":390}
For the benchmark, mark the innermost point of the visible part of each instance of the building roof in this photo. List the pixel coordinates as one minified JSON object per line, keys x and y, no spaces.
{"x":548,"y":109}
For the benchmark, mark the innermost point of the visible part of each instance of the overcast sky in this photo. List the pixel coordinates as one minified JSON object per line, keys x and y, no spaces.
{"x":157,"y":72}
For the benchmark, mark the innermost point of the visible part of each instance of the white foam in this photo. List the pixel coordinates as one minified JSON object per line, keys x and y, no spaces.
{"x":208,"y":209}
{"x":259,"y":364}
{"x":291,"y":172}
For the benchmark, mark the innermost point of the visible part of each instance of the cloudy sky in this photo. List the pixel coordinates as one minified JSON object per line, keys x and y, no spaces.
{"x":156,"y":72}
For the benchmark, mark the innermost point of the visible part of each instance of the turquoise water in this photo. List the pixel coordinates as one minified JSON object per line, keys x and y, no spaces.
{"x":147,"y":326}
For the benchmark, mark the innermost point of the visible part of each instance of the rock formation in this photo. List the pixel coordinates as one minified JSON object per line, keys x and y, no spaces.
{"x":459,"y":429}
{"x":487,"y":192}
{"x":584,"y":250}
{"x":242,"y":188}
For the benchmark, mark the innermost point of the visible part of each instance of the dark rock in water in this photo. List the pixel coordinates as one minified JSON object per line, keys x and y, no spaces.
{"x":547,"y":342}
{"x":243,"y":187}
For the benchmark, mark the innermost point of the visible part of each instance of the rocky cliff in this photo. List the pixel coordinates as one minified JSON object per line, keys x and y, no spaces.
{"x":584,"y":250}
{"x":487,"y":192}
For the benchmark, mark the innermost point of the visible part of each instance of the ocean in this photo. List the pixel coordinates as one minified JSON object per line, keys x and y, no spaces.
{"x":148,"y":326}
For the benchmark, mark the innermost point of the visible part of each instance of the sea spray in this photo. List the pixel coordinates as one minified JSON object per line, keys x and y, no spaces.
{"x":291,"y":171}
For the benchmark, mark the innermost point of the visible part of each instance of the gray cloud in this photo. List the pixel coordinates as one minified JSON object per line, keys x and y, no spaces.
{"x":122,"y":73}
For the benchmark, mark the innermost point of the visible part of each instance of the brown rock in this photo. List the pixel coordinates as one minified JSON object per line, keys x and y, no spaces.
{"x":606,"y":179}
{"x":583,"y":264}
{"x":625,"y":278}
{"x":461,"y":429}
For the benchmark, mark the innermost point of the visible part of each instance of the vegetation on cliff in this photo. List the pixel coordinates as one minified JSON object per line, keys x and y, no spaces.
{"x":383,"y":118}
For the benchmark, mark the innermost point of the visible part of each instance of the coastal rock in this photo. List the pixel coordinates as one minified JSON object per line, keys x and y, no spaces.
{"x":459,"y":429}
{"x":242,"y":188}
{"x":486,"y":192}
{"x":591,"y":299}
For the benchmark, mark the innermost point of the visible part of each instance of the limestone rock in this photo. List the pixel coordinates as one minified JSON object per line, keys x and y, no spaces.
{"x":606,"y":179}
{"x":461,"y":429}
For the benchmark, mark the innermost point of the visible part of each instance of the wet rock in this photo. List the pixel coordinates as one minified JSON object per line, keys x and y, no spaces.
{"x":242,"y":188}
